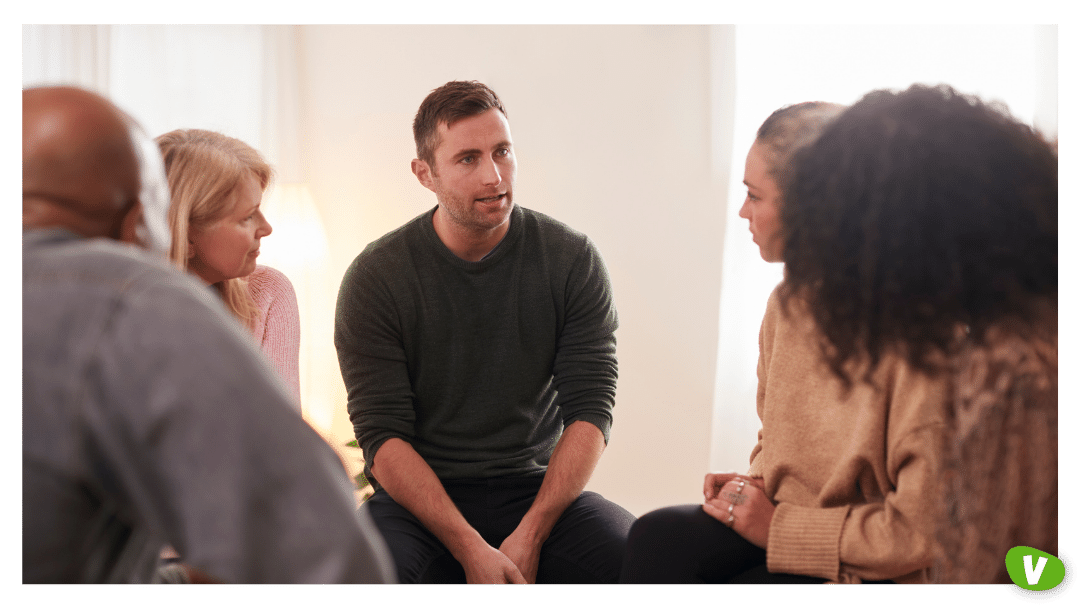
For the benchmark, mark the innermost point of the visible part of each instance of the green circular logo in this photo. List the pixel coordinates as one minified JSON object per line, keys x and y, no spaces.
{"x":1034,"y":570}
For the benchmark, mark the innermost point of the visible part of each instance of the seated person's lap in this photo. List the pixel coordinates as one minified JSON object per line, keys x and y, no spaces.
{"x":586,"y":545}
{"x":683,"y":544}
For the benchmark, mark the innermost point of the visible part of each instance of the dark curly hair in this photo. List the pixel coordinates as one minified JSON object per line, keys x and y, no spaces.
{"x":918,"y":218}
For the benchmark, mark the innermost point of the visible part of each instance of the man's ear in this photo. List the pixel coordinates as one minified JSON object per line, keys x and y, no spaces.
{"x":131,"y":226}
{"x":423,"y":173}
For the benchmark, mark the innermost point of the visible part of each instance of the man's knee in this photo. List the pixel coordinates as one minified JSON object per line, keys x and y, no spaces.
{"x":418,"y":555}
{"x":601,"y":521}
{"x":588,"y":543}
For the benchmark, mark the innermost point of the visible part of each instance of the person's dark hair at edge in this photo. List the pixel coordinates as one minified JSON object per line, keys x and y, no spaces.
{"x":448,"y":104}
{"x":789,"y":128}
{"x":916,"y":216}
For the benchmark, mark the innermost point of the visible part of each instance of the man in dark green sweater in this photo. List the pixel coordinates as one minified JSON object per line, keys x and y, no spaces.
{"x":477,"y":345}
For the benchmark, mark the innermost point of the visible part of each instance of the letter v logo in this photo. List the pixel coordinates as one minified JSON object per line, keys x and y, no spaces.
{"x":1033,"y":574}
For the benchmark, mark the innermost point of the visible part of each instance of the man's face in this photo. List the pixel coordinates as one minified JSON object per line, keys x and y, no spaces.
{"x":473,"y":176}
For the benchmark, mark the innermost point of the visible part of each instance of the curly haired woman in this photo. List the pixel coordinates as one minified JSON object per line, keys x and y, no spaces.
{"x":926,"y":225}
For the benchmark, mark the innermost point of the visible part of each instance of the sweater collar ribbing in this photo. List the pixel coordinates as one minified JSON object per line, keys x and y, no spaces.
{"x":497,"y":253}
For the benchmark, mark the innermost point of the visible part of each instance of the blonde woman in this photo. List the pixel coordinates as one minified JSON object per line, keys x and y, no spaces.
{"x":217,"y":183}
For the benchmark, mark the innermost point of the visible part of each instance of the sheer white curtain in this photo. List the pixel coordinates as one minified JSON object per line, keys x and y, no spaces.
{"x":240,"y":80}
{"x":167,"y":76}
{"x":779,"y":65}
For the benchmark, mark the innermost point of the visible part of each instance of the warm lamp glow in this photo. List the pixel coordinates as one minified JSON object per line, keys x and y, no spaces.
{"x":298,"y":247}
{"x":299,"y":238}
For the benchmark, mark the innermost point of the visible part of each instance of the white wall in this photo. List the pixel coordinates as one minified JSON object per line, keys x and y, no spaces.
{"x":624,"y":132}
{"x":613,"y":132}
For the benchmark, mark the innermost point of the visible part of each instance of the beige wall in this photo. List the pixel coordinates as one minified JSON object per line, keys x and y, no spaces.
{"x":614,"y":136}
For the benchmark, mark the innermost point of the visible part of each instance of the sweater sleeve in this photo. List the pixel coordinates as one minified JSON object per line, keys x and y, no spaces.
{"x":247,"y":493}
{"x":280,"y":321}
{"x":765,"y":336}
{"x":585,"y":370}
{"x":874,"y":538}
{"x":371,"y":354}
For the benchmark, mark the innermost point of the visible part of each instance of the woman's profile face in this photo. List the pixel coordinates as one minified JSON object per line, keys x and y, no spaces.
{"x":228,"y":247}
{"x":762,"y":205}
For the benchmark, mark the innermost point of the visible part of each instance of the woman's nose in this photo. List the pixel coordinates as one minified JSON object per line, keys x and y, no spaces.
{"x":744,"y":211}
{"x":265,"y":228}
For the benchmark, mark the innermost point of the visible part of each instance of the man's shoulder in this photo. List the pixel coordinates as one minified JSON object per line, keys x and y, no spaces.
{"x":546,"y":223}
{"x":58,"y":253}
{"x":390,"y":246}
{"x":57,"y":262}
{"x":553,"y":234}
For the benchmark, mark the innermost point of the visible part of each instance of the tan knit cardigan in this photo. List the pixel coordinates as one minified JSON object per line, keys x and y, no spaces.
{"x":852,"y":473}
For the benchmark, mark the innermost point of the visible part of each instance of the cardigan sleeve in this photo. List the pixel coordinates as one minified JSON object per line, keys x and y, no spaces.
{"x":279,"y":325}
{"x":874,"y":539}
{"x":765,"y":337}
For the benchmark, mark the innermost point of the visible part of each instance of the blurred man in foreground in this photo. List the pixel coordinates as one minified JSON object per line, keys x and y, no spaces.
{"x":148,"y":417}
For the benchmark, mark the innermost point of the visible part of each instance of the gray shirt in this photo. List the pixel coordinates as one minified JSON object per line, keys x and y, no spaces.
{"x":149,"y":417}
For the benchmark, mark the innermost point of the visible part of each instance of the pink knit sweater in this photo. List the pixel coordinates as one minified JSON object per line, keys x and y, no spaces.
{"x":278,"y":329}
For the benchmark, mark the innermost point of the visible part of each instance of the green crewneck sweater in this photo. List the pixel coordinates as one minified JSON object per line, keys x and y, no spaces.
{"x":478,"y":365}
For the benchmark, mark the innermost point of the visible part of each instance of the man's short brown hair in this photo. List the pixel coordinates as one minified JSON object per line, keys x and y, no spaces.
{"x":448,"y":104}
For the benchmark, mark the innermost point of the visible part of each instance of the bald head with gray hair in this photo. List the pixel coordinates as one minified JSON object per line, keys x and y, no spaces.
{"x":89,"y":168}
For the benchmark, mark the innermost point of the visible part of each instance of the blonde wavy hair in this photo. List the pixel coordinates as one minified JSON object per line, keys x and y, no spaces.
{"x":203,"y":168}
